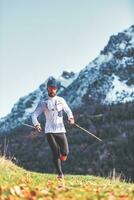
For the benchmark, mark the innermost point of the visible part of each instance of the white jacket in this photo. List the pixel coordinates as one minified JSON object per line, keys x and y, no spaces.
{"x":53,"y":109}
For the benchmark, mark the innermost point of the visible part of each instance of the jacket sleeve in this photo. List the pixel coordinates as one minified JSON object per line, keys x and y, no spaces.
{"x":67,"y":109}
{"x":39,"y":109}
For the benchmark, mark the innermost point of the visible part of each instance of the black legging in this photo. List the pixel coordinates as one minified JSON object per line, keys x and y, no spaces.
{"x":59,"y":146}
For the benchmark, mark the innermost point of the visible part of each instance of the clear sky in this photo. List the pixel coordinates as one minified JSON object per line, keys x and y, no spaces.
{"x":39,"y":38}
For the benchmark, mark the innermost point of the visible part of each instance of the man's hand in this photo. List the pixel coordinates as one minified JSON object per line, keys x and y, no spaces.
{"x":38,"y":128}
{"x":71,"y":120}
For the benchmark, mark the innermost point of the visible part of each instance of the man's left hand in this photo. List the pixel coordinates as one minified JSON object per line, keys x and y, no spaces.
{"x":71,"y":120}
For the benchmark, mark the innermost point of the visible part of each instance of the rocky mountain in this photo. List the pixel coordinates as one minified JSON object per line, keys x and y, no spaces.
{"x":109,"y":78}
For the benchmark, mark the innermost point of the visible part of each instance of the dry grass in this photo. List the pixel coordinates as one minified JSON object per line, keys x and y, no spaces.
{"x":17,"y":183}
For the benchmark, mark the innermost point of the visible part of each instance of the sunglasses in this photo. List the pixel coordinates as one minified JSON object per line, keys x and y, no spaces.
{"x":52,"y":88}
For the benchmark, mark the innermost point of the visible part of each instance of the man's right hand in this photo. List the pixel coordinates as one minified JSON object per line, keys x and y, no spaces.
{"x":38,"y":128}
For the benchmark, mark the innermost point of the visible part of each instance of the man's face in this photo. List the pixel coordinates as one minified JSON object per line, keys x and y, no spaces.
{"x":52,"y":91}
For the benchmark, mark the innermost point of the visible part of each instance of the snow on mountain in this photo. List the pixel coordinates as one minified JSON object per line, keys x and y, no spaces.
{"x":119,"y":92}
{"x":109,"y":78}
{"x":102,"y":77}
{"x":20,"y":111}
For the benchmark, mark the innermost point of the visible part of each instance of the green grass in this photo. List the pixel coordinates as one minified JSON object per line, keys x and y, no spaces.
{"x":17,"y":183}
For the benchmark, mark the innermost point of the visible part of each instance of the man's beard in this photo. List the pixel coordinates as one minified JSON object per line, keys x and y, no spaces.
{"x":51,"y":94}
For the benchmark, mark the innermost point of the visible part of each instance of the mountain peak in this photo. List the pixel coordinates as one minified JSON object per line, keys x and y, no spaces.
{"x":66,"y":79}
{"x":120,"y":42}
{"x":67,"y":75}
{"x":98,"y":78}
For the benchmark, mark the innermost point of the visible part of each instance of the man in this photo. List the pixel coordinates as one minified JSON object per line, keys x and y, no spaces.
{"x":53,"y":108}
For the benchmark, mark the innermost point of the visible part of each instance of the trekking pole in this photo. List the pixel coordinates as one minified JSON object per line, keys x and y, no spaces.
{"x":28,"y":125}
{"x":88,"y":132}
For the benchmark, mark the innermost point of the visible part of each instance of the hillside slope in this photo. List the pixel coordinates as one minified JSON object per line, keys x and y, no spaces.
{"x":19,"y":184}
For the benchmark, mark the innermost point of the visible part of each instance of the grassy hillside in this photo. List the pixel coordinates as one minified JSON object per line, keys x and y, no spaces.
{"x":17,"y":183}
